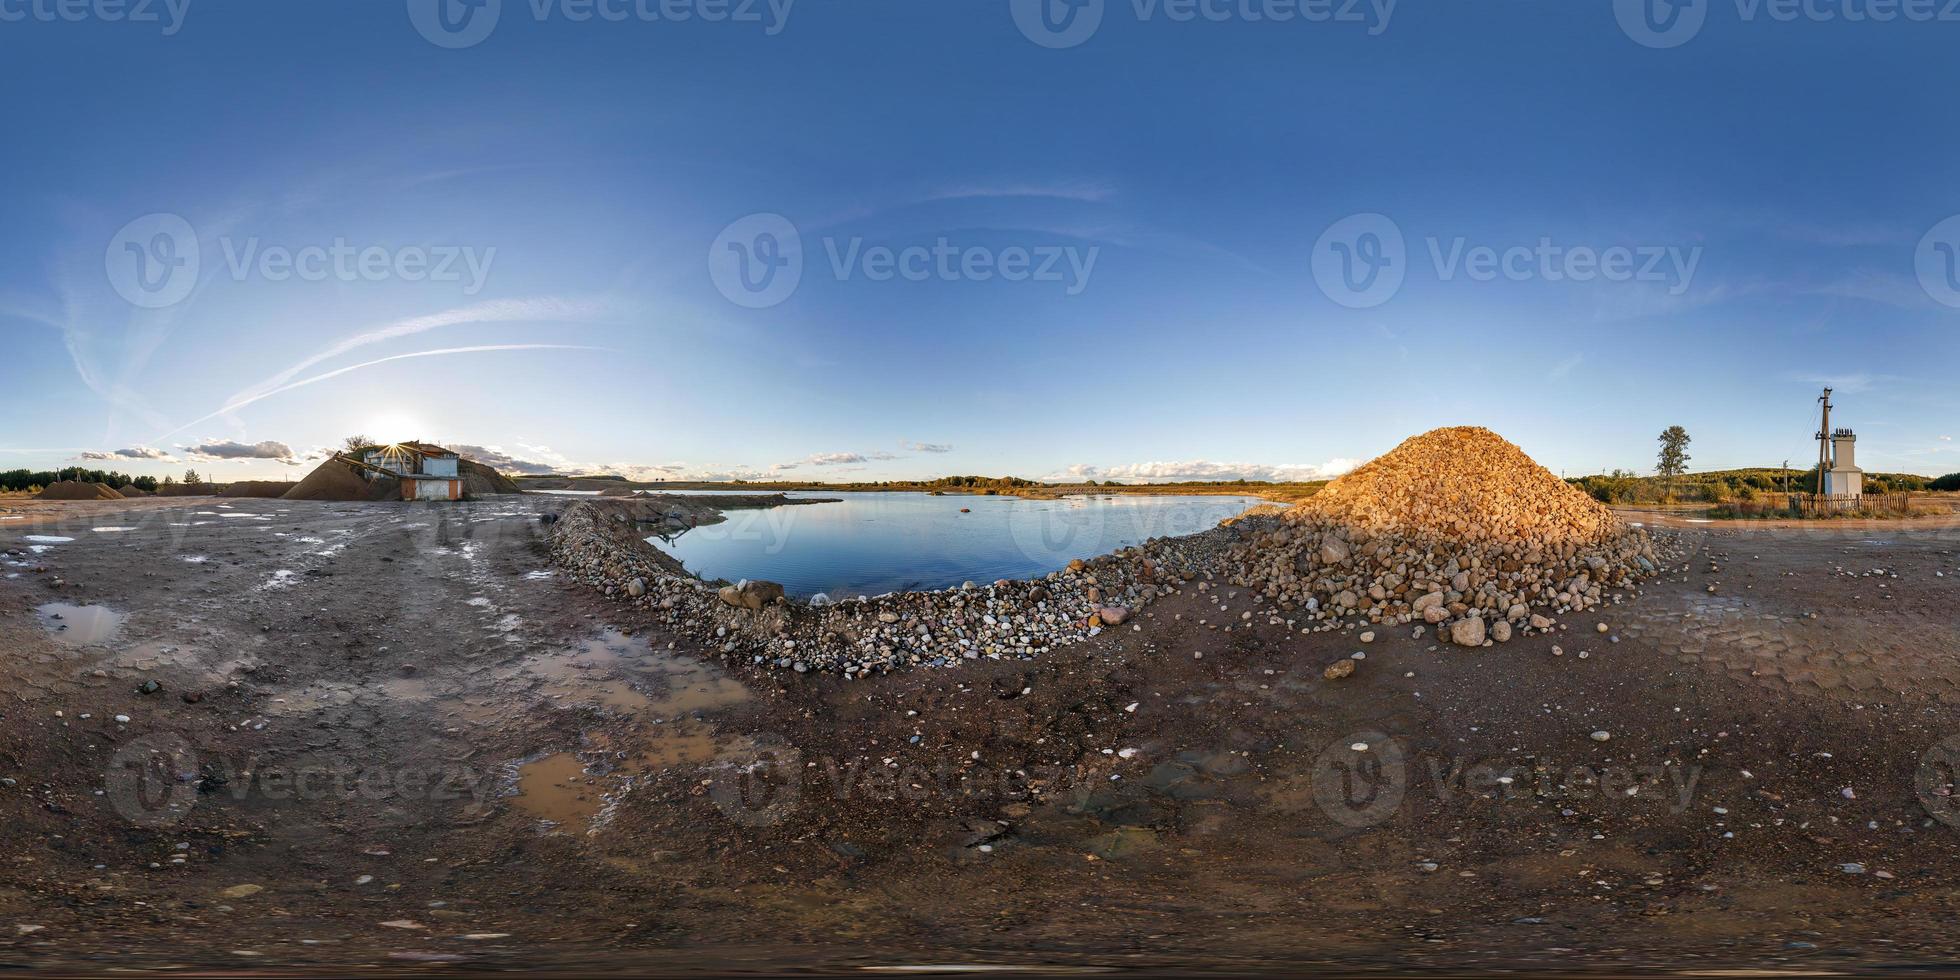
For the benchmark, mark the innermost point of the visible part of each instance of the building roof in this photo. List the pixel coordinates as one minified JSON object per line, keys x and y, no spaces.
{"x":427,"y":449}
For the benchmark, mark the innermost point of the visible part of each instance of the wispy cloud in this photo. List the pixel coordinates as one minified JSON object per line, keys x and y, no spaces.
{"x":927,"y":447}
{"x":549,"y":308}
{"x":1564,"y":368}
{"x":337,"y":372}
{"x":1203,"y":469}
{"x":1887,"y":288}
{"x":1090,"y":191}
{"x":134,"y":452}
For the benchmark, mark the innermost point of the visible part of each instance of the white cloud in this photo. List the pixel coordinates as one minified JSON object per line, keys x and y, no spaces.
{"x":1204,"y":469}
{"x":134,"y":452}
{"x":225,"y":449}
{"x":495,"y":458}
{"x":927,"y":447}
{"x":832,"y":459}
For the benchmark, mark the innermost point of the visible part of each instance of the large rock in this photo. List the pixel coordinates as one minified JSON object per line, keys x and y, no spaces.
{"x":753,"y":596}
{"x":1468,"y":632}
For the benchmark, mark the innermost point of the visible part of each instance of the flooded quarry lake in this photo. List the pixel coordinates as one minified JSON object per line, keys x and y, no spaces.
{"x":873,"y":543}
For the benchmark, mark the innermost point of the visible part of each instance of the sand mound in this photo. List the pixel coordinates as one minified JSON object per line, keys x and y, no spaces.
{"x":1452,"y":525}
{"x":1465,"y":484}
{"x":77,"y":490}
{"x":480,"y":480}
{"x":186,"y":489}
{"x":337,"y":479}
{"x":271,"y":489}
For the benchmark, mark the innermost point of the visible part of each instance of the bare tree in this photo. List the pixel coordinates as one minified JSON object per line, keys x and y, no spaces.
{"x":354,"y":443}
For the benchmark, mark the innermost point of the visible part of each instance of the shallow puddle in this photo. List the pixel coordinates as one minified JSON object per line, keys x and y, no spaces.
{"x":693,"y":686}
{"x":46,"y":538}
{"x":80,"y":626}
{"x":556,"y":788}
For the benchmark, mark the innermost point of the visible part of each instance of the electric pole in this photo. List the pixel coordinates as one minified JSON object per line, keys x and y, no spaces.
{"x":1824,"y":442}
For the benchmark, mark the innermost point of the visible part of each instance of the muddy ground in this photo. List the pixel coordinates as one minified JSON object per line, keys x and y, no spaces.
{"x":390,"y":736}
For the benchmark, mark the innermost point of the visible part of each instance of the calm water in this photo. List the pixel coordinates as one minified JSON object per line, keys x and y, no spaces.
{"x":872,"y":543}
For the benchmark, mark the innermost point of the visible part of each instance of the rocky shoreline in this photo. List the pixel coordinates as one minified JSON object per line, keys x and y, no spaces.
{"x":1455,"y":529}
{"x":600,"y":543}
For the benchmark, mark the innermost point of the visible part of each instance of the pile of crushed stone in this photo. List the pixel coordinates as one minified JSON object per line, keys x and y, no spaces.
{"x":1453,"y":526}
{"x":338,"y":480}
{"x":78,"y":490}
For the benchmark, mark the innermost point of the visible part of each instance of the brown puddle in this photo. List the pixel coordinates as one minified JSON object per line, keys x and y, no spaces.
{"x":556,"y":788}
{"x":664,"y":693}
{"x":615,"y":671}
{"x":79,"y":626}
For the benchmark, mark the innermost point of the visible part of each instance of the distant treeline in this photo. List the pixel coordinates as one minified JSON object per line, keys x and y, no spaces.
{"x":16,"y":480}
{"x":1716,"y":486}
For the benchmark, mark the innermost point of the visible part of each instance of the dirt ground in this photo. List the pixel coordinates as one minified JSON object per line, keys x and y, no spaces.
{"x":389,"y":736}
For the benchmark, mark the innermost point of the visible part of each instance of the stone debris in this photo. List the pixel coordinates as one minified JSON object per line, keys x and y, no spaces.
{"x":1455,"y":526}
{"x":600,"y":543}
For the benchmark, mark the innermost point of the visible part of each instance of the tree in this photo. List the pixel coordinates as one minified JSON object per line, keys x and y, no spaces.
{"x":190,"y":476}
{"x":355,"y":443}
{"x":1674,"y":455}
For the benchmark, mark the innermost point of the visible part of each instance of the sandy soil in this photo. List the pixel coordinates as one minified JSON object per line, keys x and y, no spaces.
{"x":389,"y":735}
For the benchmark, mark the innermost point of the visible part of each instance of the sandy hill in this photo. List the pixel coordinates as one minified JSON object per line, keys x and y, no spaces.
{"x":1466,"y":484}
{"x":77,"y":490}
{"x":337,"y":479}
{"x":480,"y":480}
{"x":1452,"y":525}
{"x":257,"y":488}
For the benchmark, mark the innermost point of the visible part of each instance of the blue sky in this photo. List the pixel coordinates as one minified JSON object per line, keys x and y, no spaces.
{"x":1125,"y":251}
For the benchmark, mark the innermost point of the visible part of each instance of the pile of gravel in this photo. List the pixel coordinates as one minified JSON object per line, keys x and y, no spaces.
{"x":78,"y":490}
{"x":1453,"y":526}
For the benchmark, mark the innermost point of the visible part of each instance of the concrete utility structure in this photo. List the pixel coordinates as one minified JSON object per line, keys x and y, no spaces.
{"x":1839,"y":480}
{"x":427,"y":472}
